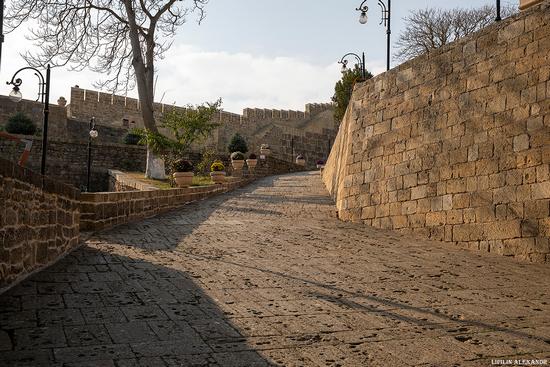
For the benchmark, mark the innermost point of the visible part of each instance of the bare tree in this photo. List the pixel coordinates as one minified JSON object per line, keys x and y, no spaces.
{"x":430,"y":28}
{"x":121,"y":39}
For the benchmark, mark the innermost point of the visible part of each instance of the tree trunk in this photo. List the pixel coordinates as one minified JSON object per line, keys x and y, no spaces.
{"x":144,"y":80}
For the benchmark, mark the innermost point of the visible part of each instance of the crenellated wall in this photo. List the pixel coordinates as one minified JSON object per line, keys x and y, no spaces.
{"x":312,"y":129}
{"x":455,"y":145}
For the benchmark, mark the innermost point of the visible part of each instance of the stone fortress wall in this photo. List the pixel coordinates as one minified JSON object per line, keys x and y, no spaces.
{"x":312,"y":130}
{"x":455,"y":145}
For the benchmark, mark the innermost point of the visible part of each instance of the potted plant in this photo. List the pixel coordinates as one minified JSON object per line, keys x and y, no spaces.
{"x":217,"y":172}
{"x":252,"y":161}
{"x":237,"y":161}
{"x":265,"y":150}
{"x":300,"y":160}
{"x":183,"y":173}
{"x":320,"y":164}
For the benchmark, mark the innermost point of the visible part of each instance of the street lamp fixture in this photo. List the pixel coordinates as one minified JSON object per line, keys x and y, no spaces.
{"x":386,"y":21}
{"x":15,"y":95}
{"x":43,"y":96}
{"x":360,"y":62}
{"x":93,"y":134}
{"x":363,"y":18}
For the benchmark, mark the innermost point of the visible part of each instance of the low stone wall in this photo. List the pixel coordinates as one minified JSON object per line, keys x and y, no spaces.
{"x":108,"y":209}
{"x":275,"y":166}
{"x":121,"y":182}
{"x":39,"y":222}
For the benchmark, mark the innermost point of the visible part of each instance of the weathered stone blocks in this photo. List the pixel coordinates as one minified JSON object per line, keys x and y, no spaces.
{"x":39,"y":222}
{"x":462,"y":158}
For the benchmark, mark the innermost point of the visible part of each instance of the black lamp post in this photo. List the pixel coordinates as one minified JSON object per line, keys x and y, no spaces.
{"x":360,"y":62}
{"x":1,"y":28}
{"x":92,"y":135}
{"x":43,"y":96}
{"x":498,"y":18}
{"x":386,"y":20}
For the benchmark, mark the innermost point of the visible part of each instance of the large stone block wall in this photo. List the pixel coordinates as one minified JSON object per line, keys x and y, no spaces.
{"x":67,"y":162}
{"x":35,"y":111}
{"x":311,"y":128}
{"x":39,"y":222}
{"x":455,"y":145}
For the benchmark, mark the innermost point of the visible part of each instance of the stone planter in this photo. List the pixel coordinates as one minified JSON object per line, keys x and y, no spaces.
{"x":218,"y":177}
{"x":251,"y":163}
{"x":183,"y":179}
{"x":237,"y":165}
{"x":320,"y":166}
{"x":301,"y":162}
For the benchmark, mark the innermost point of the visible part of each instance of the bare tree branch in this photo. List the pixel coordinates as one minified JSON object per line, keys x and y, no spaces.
{"x":432,"y":28}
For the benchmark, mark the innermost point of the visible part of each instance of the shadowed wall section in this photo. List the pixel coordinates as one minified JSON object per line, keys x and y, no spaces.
{"x":455,"y":145}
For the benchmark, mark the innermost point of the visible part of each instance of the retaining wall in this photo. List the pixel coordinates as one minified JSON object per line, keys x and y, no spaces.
{"x":39,"y":222}
{"x":455,"y":145}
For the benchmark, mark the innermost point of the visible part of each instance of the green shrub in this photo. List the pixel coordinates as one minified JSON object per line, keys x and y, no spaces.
{"x":132,"y":139}
{"x":208,"y":157}
{"x":217,"y":166}
{"x":20,"y":124}
{"x":237,"y":144}
{"x":182,"y":165}
{"x":237,"y":156}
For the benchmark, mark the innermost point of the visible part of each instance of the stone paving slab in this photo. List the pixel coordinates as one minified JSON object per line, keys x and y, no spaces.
{"x":267,"y":276}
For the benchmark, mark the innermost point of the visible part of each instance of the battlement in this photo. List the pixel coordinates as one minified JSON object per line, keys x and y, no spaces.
{"x":104,"y":106}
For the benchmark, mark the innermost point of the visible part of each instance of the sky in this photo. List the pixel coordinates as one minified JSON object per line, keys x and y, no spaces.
{"x":252,"y":53}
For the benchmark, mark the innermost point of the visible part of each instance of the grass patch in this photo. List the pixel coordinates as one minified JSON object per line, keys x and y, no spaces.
{"x":140,"y":176}
{"x":165,"y":184}
{"x":202,"y":181}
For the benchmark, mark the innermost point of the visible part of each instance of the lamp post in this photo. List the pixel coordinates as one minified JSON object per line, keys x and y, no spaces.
{"x":43,"y":96}
{"x":1,"y":28}
{"x":92,"y":135}
{"x":386,"y":20}
{"x":498,"y":18}
{"x":360,"y":62}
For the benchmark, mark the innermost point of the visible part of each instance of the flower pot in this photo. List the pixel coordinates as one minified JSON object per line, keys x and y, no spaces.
{"x":183,"y":179}
{"x":218,"y":177}
{"x":301,"y":162}
{"x":320,"y":166}
{"x":237,"y":165}
{"x":251,"y":163}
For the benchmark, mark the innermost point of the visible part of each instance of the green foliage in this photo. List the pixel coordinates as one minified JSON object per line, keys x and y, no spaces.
{"x":217,"y":166}
{"x":185,"y":128}
{"x":344,"y":89}
{"x":237,"y":156}
{"x":158,"y":143}
{"x":237,"y":144}
{"x":132,"y":139}
{"x":182,"y":165}
{"x":20,"y":123}
{"x":208,"y":157}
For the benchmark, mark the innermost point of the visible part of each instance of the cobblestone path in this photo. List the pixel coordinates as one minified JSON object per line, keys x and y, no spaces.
{"x":267,"y":275}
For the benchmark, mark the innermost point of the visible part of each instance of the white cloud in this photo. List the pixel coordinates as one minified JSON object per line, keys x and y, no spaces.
{"x":191,"y":75}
